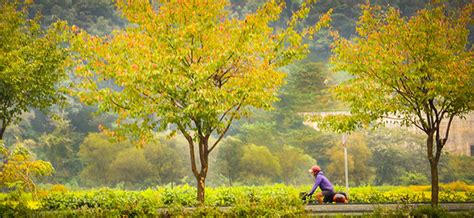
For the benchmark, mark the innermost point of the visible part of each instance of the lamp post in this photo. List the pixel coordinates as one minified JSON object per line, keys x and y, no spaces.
{"x":344,"y":136}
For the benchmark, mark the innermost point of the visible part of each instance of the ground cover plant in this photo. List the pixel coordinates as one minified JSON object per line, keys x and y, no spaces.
{"x":239,"y":200}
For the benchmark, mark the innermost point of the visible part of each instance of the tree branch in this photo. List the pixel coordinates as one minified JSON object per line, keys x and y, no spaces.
{"x":222,"y":134}
{"x":189,"y":138}
{"x":5,"y":123}
{"x":446,"y":135}
{"x":433,"y":108}
{"x":119,"y":105}
{"x":429,"y":115}
{"x":227,"y":127}
{"x":416,"y":108}
{"x":227,"y":111}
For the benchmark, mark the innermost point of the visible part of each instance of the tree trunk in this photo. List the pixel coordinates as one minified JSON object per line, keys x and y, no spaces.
{"x":434,"y":184}
{"x":203,"y":154}
{"x":200,"y":174}
{"x":2,"y":131}
{"x":230,"y":178}
{"x":201,"y":188}
{"x":434,"y":170}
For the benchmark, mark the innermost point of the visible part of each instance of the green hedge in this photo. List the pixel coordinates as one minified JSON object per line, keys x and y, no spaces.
{"x":277,"y":200}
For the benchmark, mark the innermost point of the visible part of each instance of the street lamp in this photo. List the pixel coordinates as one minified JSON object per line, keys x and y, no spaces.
{"x":344,"y":137}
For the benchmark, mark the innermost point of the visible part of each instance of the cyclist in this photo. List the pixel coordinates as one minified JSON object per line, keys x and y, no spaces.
{"x":327,"y":189}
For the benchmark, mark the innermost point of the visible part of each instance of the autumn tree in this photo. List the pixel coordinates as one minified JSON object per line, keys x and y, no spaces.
{"x":418,"y":70}
{"x":32,"y":63}
{"x":188,"y":66}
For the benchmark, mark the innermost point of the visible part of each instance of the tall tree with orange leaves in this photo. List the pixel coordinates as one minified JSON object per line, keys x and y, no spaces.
{"x":190,"y":67}
{"x":418,"y":70}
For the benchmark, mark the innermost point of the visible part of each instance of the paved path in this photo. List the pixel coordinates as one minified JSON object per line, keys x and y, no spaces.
{"x":368,"y":208}
{"x":353,"y":209}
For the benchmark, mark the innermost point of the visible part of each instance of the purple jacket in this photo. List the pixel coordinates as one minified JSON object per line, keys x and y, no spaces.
{"x":322,"y":182}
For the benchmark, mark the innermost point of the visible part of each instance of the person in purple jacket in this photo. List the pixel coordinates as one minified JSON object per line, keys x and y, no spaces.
{"x":327,"y":189}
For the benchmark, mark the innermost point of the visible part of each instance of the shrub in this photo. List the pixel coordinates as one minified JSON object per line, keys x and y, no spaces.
{"x":457,"y":186}
{"x":58,"y":188}
{"x":276,"y":200}
{"x":414,"y":178}
{"x":429,"y":212}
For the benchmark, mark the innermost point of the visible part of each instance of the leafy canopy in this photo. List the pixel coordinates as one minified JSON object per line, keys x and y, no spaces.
{"x":32,"y":63}
{"x":188,"y":63}
{"x":418,"y":69}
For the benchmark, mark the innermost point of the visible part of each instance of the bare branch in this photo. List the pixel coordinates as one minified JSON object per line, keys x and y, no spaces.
{"x":418,"y":126}
{"x":433,"y":108}
{"x":222,"y":134}
{"x":189,"y":138}
{"x":416,"y":108}
{"x":227,"y":126}
{"x":446,"y":135}
{"x":226,"y":112}
{"x":441,"y":142}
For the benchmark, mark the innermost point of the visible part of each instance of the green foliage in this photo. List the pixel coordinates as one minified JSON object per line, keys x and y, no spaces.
{"x":340,"y":123}
{"x":96,"y":153}
{"x":396,"y":151}
{"x":217,"y":92}
{"x":129,"y":166}
{"x":108,"y":163}
{"x":198,"y":71}
{"x":358,"y":155}
{"x":408,"y":79}
{"x":278,"y":200}
{"x":168,"y":158}
{"x":96,"y":16}
{"x":294,"y":163}
{"x":32,"y":63}
{"x":273,"y":129}
{"x":181,"y":195}
{"x":229,"y":157}
{"x":259,"y":165}
{"x":127,"y":203}
{"x":413,"y":178}
{"x":407,"y":194}
{"x":400,"y":70}
{"x":60,"y":148}
{"x":430,"y":212}
{"x":19,"y":169}
{"x":307,"y":89}
{"x":279,"y":128}
{"x":458,"y":168}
